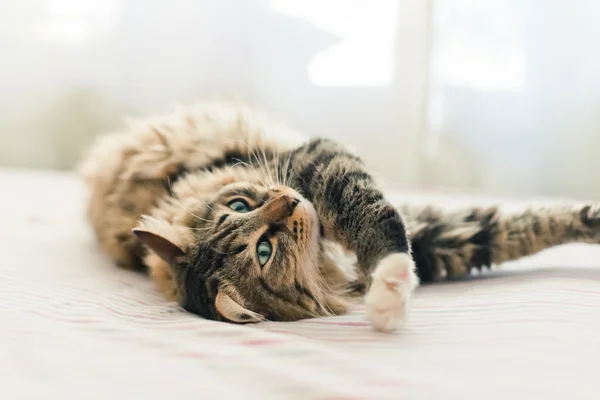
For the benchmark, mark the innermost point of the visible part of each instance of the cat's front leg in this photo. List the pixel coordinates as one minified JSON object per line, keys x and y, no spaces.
{"x":356,"y":214}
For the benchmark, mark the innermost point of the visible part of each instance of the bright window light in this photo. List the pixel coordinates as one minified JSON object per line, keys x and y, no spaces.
{"x":364,"y":55}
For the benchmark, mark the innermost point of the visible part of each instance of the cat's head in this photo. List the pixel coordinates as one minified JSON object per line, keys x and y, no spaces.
{"x":254,"y":253}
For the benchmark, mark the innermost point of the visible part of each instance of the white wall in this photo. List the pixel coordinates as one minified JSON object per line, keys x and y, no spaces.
{"x":353,"y":70}
{"x":514,"y":102}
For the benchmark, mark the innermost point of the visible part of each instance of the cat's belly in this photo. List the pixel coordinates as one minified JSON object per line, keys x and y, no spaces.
{"x":339,"y":261}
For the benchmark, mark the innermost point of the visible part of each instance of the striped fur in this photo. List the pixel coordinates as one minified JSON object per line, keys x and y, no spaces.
{"x":173,"y":179}
{"x":451,"y":244}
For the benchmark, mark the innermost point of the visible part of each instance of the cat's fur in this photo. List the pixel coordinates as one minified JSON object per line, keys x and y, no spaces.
{"x":160,"y":195}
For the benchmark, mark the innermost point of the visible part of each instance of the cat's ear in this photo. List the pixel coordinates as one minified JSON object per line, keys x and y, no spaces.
{"x":168,"y":241}
{"x":165,"y":249}
{"x":233,"y":311}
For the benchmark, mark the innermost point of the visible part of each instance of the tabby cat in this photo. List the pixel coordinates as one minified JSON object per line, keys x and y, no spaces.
{"x":240,"y":219}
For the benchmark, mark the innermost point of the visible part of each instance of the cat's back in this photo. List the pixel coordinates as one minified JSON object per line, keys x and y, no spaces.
{"x":195,"y":135}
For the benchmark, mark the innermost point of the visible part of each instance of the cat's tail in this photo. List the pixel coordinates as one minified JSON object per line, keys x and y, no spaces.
{"x":450,"y":244}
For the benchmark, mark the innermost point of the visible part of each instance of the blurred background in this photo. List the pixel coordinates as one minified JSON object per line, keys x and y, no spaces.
{"x":493,"y":96}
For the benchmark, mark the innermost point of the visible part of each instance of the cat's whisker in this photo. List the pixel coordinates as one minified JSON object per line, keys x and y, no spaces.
{"x":179,"y":202}
{"x":315,"y":282}
{"x":276,"y":168}
{"x":252,"y":154}
{"x":283,"y":175}
{"x":221,"y":252}
{"x":262,"y":149}
{"x":189,"y":185}
{"x":206,"y":204}
{"x":280,"y":180}
{"x":203,"y":229}
{"x":191,"y":213}
{"x":287,"y":169}
{"x":240,"y":162}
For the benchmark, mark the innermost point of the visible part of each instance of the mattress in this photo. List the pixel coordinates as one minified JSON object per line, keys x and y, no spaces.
{"x":72,"y":325}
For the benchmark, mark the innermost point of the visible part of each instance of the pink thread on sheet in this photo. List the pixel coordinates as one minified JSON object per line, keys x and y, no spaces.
{"x":261,"y":342}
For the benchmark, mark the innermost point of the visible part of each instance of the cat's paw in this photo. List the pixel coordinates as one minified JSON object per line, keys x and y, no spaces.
{"x":388,"y":299}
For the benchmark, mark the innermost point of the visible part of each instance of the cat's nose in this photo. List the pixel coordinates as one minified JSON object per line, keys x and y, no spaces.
{"x":279,"y":208}
{"x":292,"y":202}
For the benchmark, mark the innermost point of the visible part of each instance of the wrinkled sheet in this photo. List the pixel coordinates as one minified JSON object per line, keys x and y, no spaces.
{"x":74,"y":326}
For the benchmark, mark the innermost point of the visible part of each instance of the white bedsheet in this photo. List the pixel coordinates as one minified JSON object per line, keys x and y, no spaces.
{"x":74,"y":326}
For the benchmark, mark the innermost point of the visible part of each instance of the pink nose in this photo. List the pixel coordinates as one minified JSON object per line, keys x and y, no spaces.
{"x":292,"y":202}
{"x":280,"y":208}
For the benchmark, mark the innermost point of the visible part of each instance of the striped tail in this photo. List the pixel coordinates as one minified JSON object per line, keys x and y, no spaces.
{"x":450,"y":244}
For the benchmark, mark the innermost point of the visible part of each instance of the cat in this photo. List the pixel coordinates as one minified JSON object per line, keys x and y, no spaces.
{"x":240,"y":219}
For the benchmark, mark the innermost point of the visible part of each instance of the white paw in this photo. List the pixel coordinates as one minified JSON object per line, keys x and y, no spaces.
{"x":388,"y":299}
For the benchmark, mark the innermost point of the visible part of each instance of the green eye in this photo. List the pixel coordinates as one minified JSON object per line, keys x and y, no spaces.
{"x":239,"y":206}
{"x":263,"y":251}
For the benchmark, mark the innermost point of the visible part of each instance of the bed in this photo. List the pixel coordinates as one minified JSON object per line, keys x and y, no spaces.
{"x":74,"y":326}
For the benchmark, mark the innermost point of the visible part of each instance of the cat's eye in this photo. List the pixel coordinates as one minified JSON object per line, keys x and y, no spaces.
{"x":263,"y":251}
{"x":239,"y":206}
